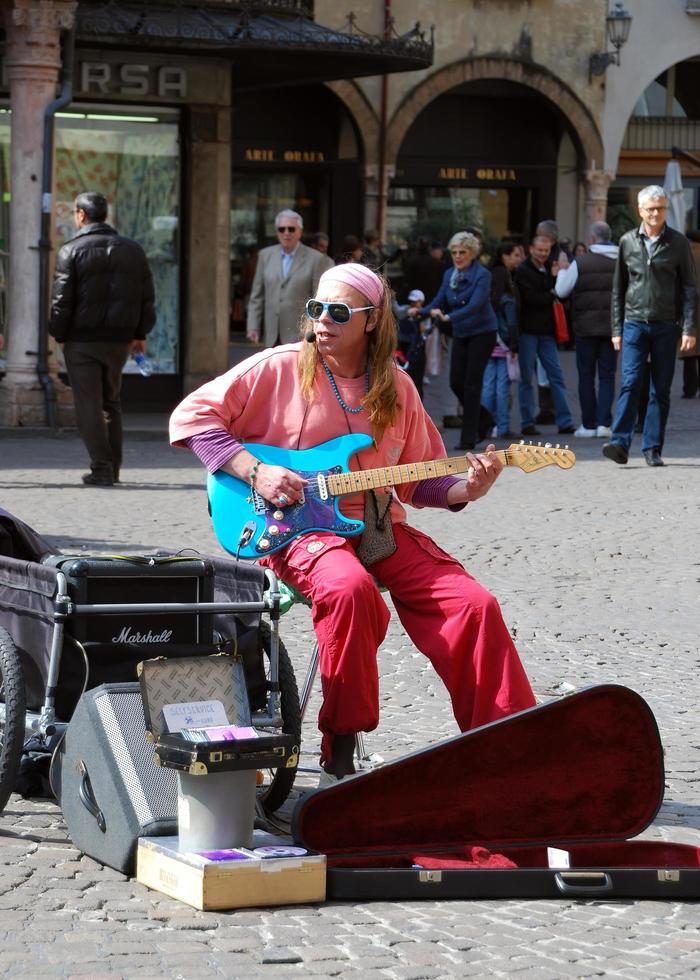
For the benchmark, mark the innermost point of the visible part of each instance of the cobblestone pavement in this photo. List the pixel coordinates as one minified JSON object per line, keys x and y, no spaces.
{"x":597,"y":570}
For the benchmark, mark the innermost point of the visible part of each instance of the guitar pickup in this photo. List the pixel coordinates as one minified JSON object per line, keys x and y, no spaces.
{"x":322,"y":487}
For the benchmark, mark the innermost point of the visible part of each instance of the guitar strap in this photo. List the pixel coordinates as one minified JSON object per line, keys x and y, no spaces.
{"x":377,"y":541}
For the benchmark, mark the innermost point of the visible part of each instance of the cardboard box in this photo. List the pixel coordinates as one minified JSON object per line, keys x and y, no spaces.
{"x":238,"y":878}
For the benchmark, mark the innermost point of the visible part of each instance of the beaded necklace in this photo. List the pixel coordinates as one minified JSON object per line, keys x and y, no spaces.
{"x":341,"y":401}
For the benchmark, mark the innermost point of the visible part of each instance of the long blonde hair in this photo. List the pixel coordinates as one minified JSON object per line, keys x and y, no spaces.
{"x":381,"y":401}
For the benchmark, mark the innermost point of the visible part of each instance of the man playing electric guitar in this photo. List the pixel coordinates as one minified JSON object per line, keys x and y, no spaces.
{"x":341,"y":381}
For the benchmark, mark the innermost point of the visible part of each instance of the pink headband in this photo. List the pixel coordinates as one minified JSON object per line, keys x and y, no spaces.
{"x":358,"y":276}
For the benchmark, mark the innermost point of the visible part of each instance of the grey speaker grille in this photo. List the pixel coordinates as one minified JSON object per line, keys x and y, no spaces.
{"x":151,"y":788}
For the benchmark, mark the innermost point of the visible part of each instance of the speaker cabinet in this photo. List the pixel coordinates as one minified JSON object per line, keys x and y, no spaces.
{"x":104,"y":777}
{"x":111,"y":645}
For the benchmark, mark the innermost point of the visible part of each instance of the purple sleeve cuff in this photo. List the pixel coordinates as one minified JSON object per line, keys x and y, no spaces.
{"x":214,"y":447}
{"x":433,"y":493}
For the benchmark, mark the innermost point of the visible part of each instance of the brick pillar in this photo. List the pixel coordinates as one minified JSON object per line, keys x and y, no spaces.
{"x":33,"y":57}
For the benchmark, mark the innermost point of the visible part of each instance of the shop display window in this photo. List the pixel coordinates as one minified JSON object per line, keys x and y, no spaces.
{"x":132,"y":156}
{"x":439,"y":212}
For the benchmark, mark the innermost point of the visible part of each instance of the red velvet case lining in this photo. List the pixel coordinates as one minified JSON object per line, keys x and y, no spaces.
{"x":577,"y":771}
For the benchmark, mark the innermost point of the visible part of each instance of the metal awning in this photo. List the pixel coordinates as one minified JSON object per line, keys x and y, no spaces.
{"x":270,"y":42}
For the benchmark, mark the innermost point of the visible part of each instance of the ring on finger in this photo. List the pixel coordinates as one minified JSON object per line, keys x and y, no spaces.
{"x":283,"y":498}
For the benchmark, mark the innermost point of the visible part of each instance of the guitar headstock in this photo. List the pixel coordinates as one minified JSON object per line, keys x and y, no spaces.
{"x":530,"y":458}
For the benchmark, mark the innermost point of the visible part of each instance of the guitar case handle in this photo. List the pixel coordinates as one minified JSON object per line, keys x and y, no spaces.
{"x":586,"y":883}
{"x":87,"y":797}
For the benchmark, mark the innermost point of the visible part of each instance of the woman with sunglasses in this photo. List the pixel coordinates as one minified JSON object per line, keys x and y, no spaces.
{"x":342,"y":379}
{"x":464,"y":311}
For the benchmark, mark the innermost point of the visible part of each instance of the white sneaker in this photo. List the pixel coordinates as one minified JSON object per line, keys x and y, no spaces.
{"x":603,"y":432}
{"x":583,"y":433}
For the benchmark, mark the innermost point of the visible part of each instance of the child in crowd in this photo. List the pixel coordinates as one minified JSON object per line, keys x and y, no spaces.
{"x":412,"y":336}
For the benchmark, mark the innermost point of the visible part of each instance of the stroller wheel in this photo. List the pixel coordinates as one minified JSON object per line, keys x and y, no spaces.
{"x":12,"y":714}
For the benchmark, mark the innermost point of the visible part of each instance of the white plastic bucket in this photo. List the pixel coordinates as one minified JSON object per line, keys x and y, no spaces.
{"x":216,"y":811}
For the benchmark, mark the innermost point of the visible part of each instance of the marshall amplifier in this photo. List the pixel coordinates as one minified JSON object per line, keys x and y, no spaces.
{"x":109,"y":646}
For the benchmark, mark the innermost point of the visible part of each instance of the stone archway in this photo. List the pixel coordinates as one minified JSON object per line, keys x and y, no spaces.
{"x":505,"y":69}
{"x":361,"y":112}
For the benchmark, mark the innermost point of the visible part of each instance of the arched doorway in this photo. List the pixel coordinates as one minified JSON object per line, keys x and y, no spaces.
{"x":295,"y":148}
{"x":665,"y":116}
{"x":490,"y":152}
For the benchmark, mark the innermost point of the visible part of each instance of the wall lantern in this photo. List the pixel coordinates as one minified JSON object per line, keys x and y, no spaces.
{"x":618,"y":23}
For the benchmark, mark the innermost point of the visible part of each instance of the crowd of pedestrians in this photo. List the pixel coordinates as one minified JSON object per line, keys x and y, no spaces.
{"x":496,"y":314}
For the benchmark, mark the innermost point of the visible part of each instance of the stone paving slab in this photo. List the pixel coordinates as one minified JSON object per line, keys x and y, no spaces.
{"x":597,"y":571}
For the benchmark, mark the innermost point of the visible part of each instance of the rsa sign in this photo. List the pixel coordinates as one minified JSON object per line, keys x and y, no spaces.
{"x":103,"y":78}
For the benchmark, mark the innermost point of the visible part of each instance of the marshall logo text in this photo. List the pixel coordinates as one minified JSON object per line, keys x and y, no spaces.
{"x":128,"y":635}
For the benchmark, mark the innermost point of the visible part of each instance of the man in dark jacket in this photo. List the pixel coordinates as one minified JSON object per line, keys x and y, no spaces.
{"x":102,"y":307}
{"x":535,"y":284}
{"x":654,"y":282}
{"x":588,"y":281}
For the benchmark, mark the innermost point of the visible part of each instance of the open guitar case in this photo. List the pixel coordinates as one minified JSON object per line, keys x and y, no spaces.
{"x":545,"y":803}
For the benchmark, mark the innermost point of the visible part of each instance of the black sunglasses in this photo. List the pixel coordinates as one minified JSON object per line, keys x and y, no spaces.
{"x":338,"y":312}
{"x":287,"y":228}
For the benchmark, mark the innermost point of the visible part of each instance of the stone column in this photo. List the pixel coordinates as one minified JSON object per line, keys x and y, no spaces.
{"x":208,"y":247}
{"x":597,"y":183}
{"x":376,"y":195}
{"x":33,"y":57}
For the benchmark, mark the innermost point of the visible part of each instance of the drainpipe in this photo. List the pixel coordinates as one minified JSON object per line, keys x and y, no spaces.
{"x":44,"y":244}
{"x":383,"y":113}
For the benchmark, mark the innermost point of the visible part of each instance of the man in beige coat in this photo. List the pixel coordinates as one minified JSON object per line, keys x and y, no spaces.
{"x":286,"y":276}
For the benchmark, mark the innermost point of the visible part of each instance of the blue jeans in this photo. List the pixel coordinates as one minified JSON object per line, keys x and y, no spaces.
{"x":657,"y":339}
{"x":532,"y":347}
{"x":592,"y":352}
{"x":495,"y":393}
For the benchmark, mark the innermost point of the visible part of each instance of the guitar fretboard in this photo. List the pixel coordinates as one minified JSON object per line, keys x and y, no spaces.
{"x":391,"y":476}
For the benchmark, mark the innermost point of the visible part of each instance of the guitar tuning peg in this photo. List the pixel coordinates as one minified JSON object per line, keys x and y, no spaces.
{"x":557,"y":445}
{"x":522,"y":442}
{"x":547,"y":445}
{"x":539,"y":443}
{"x":566,"y":447}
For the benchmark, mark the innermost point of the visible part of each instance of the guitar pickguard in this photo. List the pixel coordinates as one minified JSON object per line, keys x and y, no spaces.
{"x":312,"y":514}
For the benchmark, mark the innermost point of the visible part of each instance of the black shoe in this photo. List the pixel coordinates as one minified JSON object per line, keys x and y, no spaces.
{"x":452,"y":421}
{"x":99,"y":478}
{"x":615,"y":452}
{"x":653,"y":457}
{"x":530,"y":430}
{"x":567,"y":430}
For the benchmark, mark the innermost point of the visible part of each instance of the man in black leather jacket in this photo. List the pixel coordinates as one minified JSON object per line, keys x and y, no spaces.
{"x":653,"y":288}
{"x":102,"y":307}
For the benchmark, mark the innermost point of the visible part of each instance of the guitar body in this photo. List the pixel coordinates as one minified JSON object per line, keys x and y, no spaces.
{"x":234,"y":506}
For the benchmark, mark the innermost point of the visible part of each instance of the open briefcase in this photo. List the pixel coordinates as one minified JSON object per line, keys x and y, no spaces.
{"x":201,"y":684}
{"x":540,"y":804}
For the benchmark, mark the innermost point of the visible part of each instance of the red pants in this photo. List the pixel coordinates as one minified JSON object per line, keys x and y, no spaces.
{"x":449,"y":617}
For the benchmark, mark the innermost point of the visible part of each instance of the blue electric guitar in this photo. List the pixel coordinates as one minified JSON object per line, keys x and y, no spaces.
{"x":249,"y":526}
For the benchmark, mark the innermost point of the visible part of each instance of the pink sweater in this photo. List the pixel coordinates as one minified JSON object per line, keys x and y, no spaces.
{"x":259,"y":401}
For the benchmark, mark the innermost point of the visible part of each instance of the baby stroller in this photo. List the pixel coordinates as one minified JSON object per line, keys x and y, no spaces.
{"x":65,"y":627}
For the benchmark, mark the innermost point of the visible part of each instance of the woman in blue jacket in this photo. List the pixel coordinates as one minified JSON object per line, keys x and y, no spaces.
{"x":464,"y":311}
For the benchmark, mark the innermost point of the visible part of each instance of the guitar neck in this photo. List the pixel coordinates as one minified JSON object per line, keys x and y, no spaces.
{"x":391,"y":476}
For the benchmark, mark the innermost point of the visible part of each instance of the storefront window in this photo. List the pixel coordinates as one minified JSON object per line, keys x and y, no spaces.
{"x":439,"y":212}
{"x":132,"y":157}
